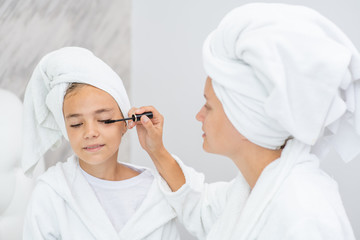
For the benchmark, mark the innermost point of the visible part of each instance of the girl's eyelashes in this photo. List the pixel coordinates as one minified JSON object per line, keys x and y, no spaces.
{"x":101,"y":121}
{"x":106,"y":120}
{"x":76,"y":125}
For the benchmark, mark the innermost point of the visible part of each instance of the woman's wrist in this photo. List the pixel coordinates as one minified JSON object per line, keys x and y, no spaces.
{"x":168,"y":168}
{"x":159,"y":155}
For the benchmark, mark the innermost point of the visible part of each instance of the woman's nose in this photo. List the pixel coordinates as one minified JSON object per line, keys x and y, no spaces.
{"x":200,"y":115}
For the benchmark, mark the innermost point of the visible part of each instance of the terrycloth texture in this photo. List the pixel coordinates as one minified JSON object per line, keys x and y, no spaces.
{"x":298,"y":203}
{"x":64,"y":206}
{"x":282,"y":70}
{"x":44,"y":123}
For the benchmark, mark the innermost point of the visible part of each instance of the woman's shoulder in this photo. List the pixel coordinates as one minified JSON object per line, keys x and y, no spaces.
{"x":306,"y":189}
{"x":306,"y":210}
{"x":308,"y":197}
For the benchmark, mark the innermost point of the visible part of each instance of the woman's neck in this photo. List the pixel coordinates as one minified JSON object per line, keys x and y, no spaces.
{"x":252,"y":161}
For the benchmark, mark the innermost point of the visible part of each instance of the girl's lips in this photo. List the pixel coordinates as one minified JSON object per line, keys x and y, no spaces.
{"x":94,"y":148}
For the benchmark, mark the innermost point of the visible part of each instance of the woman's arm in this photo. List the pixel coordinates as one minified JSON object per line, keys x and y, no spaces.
{"x":197,"y":204}
{"x":150,"y":137}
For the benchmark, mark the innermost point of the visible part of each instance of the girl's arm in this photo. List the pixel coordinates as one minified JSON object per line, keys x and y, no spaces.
{"x":40,"y":222}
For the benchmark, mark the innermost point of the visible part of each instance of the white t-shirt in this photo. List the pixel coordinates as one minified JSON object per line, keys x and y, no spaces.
{"x":120,"y":199}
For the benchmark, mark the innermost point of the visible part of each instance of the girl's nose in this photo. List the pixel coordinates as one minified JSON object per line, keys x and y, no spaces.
{"x":91,"y":131}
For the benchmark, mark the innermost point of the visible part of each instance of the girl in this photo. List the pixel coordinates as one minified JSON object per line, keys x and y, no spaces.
{"x":91,"y":195}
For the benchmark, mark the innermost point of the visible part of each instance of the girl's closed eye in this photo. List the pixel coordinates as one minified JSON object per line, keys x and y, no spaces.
{"x":105,"y":121}
{"x":75,"y":125}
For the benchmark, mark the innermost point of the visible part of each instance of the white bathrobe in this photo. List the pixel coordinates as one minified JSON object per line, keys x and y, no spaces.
{"x":307,"y":205}
{"x":63,"y":202}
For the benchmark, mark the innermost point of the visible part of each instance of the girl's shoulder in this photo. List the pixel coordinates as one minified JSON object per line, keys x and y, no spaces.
{"x":68,"y":166}
{"x":55,"y":179}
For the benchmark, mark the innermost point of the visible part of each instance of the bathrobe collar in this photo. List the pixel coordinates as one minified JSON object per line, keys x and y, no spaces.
{"x":71,"y":185}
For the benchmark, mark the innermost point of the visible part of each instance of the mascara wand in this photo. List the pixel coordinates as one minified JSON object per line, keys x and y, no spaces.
{"x":134,"y":117}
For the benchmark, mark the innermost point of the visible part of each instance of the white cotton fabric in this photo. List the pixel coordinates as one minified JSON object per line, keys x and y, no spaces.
{"x":301,"y":203}
{"x":281,"y":70}
{"x":64,"y":206}
{"x":44,"y":123}
{"x":123,"y":197}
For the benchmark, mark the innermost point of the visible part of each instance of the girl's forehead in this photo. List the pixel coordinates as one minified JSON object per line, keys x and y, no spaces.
{"x":89,"y":93}
{"x":89,"y":99}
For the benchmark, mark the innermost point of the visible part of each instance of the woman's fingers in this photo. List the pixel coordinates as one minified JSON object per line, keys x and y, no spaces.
{"x":147,"y":124}
{"x":131,"y":124}
{"x":147,"y":109}
{"x":156,"y":119}
{"x":149,"y":130}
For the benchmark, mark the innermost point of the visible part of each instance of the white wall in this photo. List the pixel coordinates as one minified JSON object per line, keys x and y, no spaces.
{"x":167,"y":72}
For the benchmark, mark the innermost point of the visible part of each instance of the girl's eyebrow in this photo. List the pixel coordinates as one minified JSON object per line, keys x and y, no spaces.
{"x":75,"y":115}
{"x":104,"y":110}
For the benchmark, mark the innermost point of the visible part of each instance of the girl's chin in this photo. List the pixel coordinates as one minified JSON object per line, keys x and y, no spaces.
{"x":92,"y":161}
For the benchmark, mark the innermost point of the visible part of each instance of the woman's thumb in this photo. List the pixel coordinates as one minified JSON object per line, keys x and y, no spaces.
{"x":147,"y":124}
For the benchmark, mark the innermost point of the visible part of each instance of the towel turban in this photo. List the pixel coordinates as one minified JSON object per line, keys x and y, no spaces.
{"x":44,"y":123}
{"x":285,"y":71}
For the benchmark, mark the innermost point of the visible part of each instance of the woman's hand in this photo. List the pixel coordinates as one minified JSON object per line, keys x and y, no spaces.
{"x":150,"y":137}
{"x":149,"y":130}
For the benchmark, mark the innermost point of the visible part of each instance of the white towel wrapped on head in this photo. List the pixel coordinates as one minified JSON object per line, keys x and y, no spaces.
{"x":44,"y":123}
{"x":281,"y":71}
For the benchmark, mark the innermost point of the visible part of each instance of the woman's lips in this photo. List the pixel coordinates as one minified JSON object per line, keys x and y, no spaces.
{"x":94,"y":147}
{"x":203,"y":135}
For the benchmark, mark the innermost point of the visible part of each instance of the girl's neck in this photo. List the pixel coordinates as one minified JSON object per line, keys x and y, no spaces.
{"x":110,"y":170}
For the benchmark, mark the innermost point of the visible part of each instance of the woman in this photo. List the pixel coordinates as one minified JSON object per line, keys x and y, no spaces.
{"x":283,"y":88}
{"x":91,"y":195}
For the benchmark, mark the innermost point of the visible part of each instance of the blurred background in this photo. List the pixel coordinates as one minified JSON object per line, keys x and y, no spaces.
{"x":155,"y":46}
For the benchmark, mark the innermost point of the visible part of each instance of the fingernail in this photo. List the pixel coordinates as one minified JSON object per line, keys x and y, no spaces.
{"x":144,"y":119}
